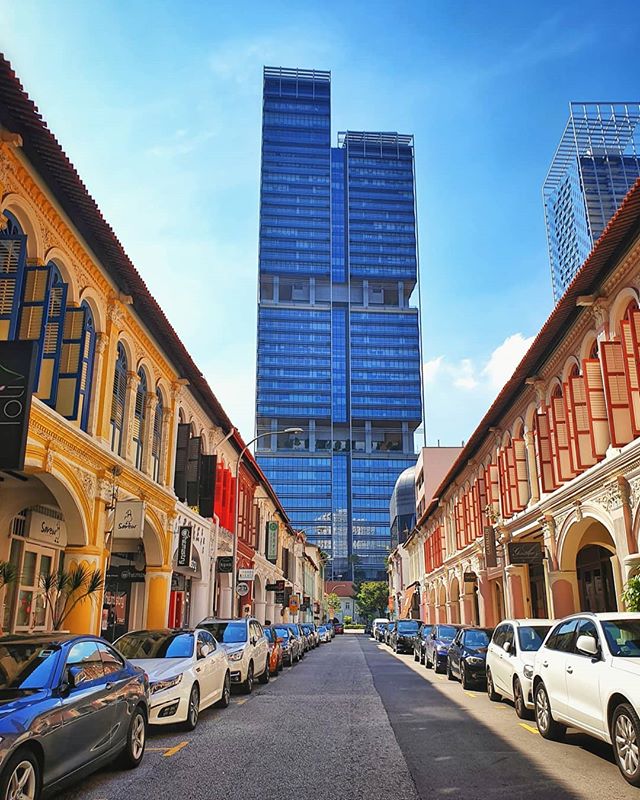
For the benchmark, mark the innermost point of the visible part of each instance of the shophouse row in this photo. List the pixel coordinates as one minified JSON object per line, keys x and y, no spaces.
{"x":131,"y":463}
{"x":539,"y":514}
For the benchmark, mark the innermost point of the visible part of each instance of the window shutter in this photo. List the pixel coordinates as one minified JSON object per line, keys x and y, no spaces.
{"x":208,"y":480}
{"x":52,"y":341}
{"x":217,"y":495}
{"x":428,"y":564}
{"x":193,"y":470}
{"x":581,"y":423}
{"x":505,"y":500}
{"x":231,"y":498}
{"x":519,"y":450}
{"x":571,"y":429}
{"x":617,"y":396}
{"x":458,"y":525}
{"x":13,"y":253}
{"x":543,"y":451}
{"x":630,"y":353}
{"x":596,"y":406}
{"x":482,"y":500}
{"x":71,"y":363}
{"x":182,"y":448}
{"x":33,"y":312}
{"x":512,"y":478}
{"x":493,"y":488}
{"x":466,"y":506}
{"x":473,"y":510}
{"x":560,"y":441}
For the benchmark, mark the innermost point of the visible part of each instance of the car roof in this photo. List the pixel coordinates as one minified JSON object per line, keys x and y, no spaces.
{"x":604,"y":615}
{"x":48,"y":638}
{"x":209,"y":620}
{"x":532,"y":621}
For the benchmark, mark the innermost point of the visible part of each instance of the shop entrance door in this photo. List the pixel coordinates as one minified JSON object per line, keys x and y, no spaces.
{"x":115,"y":610}
{"x":31,"y":612}
{"x":595,"y":579}
{"x":538,"y":591}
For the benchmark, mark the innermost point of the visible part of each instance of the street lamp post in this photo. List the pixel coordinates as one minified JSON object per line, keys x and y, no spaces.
{"x":236,"y":532}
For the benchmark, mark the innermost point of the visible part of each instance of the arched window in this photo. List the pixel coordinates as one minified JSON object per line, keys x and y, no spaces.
{"x":76,"y":365}
{"x":86,"y":373}
{"x":13,"y":255}
{"x":51,"y":336}
{"x":156,"y":442}
{"x":139,"y":418}
{"x":118,"y":399}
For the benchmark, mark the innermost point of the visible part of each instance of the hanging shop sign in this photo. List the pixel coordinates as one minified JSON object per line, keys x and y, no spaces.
{"x":306,"y":603}
{"x":185,"y":544}
{"x":272,"y":542}
{"x":280,"y":601}
{"x":128,"y":519}
{"x":294,"y":604}
{"x":246,"y":574}
{"x":17,"y":371}
{"x":242,"y":589}
{"x":490,"y":552}
{"x":525,"y":552}
{"x":469,"y":577}
{"x":272,"y":587}
{"x":225,"y":563}
{"x":48,"y":530}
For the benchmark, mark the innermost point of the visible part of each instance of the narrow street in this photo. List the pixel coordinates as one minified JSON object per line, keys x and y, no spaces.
{"x":353,"y":720}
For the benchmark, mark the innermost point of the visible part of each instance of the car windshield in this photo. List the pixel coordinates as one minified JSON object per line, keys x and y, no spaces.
{"x":426,"y":630}
{"x":227,"y":632}
{"x":383,"y":625}
{"x":282,"y":633}
{"x":408,"y":626}
{"x":623,"y":637}
{"x":476,"y":639}
{"x":27,"y":665}
{"x":269,"y":634}
{"x":446,"y":633}
{"x":531,"y":637}
{"x":159,"y":644}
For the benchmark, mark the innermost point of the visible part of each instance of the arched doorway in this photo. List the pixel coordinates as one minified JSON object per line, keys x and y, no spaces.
{"x":454,"y":595}
{"x":595,"y":579}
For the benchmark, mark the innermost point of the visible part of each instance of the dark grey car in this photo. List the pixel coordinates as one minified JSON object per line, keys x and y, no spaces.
{"x":68,"y":705}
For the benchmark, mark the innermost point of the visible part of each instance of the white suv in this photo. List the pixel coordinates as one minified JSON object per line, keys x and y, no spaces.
{"x":510,"y":657}
{"x":246,"y":646}
{"x":587,"y":675}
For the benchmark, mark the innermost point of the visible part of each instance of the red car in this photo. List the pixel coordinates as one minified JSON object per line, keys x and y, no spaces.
{"x":338,"y":627}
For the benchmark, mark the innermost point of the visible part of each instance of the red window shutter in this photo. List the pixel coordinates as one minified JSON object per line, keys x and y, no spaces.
{"x":493,"y":487}
{"x":505,"y":500}
{"x":581,"y":424}
{"x":543,"y":452}
{"x":521,"y":474}
{"x":596,"y":406}
{"x":427,"y":561}
{"x":440,"y":546}
{"x":473,"y":513}
{"x":630,"y":353}
{"x":477,"y":508}
{"x":560,"y":440}
{"x":217,"y":502}
{"x":458,"y":522}
{"x":514,"y":500}
{"x":571,"y":429}
{"x":468,"y":536}
{"x":616,"y":393}
{"x":482,"y":494}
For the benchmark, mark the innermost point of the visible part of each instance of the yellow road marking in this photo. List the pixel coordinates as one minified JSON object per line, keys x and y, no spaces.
{"x":173,"y":750}
{"x":471,"y":694}
{"x":155,"y":749}
{"x":241,"y":702}
{"x":529,"y":728}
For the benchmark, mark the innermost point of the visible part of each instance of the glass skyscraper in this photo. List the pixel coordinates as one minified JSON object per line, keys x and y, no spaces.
{"x":338,"y":339}
{"x":595,"y":165}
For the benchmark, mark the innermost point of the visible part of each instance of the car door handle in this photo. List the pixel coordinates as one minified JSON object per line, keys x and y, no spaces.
{"x":545,"y":663}
{"x":108,"y":686}
{"x":570,"y":670}
{"x":198,"y":669}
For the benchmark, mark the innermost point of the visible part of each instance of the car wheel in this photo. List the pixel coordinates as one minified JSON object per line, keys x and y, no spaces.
{"x":21,"y":777}
{"x":491,"y":692}
{"x":436,"y":666}
{"x":449,"y":673}
{"x":247,"y":686}
{"x":193,"y":709}
{"x":518,"y":700}
{"x":421,"y":657}
{"x":133,"y":751}
{"x":264,"y":678}
{"x":224,"y":701}
{"x":548,"y":727}
{"x":427,"y":661}
{"x":464,"y":678}
{"x":416,"y":657}
{"x":625,"y":735}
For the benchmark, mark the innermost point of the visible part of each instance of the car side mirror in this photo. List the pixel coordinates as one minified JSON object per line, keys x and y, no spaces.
{"x":75,"y":677}
{"x":204,"y":651}
{"x":507,"y":647}
{"x":587,"y":645}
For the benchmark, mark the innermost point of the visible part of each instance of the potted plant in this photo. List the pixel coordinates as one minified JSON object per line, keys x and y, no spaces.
{"x":8,"y":575}
{"x":63,"y":590}
{"x":631,"y":594}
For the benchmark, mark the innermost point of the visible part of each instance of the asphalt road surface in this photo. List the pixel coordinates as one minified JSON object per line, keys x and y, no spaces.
{"x":353,"y":721}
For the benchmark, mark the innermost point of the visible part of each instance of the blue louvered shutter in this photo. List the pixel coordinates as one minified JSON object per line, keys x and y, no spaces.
{"x":13,"y":254}
{"x":33,"y":313}
{"x":139,"y":419}
{"x":86,"y":375}
{"x":156,"y":442}
{"x":118,"y":400}
{"x":52,"y":339}
{"x":71,"y":363}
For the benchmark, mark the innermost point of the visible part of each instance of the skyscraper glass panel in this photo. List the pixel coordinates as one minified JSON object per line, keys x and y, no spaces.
{"x":595,"y":165}
{"x":338,"y":340}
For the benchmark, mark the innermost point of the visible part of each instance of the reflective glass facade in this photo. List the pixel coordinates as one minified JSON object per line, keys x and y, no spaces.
{"x":338,"y":340}
{"x":597,"y":162}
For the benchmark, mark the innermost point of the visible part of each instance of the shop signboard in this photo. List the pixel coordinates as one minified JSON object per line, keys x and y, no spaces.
{"x":185,"y":543}
{"x":271,"y":587}
{"x":280,"y":598}
{"x":525,"y":552}
{"x":306,"y":603}
{"x":17,"y":371}
{"x":47,"y":530}
{"x":125,"y":573}
{"x":246,"y":574}
{"x":225,"y":563}
{"x":469,"y":577}
{"x":272,"y":542}
{"x":242,"y":589}
{"x":490,"y":552}
{"x":128,"y":519}
{"x":294,"y":604}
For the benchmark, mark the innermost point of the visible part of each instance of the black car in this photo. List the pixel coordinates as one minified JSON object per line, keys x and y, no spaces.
{"x":467,"y":657}
{"x":420,"y":641}
{"x":368,"y":628}
{"x":437,"y":645}
{"x":69,"y":705}
{"x":401,"y":638}
{"x":388,"y":632}
{"x":381,"y":629}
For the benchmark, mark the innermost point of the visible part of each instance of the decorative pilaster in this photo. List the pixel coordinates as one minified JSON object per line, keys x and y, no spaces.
{"x":150,"y":403}
{"x":164,"y":475}
{"x":530,"y":445}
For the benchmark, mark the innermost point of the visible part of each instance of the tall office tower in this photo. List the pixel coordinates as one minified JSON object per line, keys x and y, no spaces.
{"x":595,"y":165}
{"x":338,"y":340}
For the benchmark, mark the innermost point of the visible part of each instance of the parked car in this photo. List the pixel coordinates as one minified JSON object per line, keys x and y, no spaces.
{"x":510,"y":658}
{"x":388,"y":631}
{"x":467,"y":656}
{"x":377,"y":622}
{"x":338,"y":627}
{"x":275,"y":649}
{"x":290,"y":644}
{"x":586,"y":675}
{"x":70,"y":705}
{"x":401,"y":638}
{"x":380,"y":631}
{"x":420,"y":641}
{"x":324,"y":634}
{"x":368,"y":628}
{"x":437,"y":647}
{"x":296,"y":630}
{"x":187,"y":672}
{"x":309,"y":630}
{"x":246,"y":646}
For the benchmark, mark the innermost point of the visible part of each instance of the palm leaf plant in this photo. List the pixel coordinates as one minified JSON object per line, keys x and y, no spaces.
{"x":631,"y":594}
{"x":63,"y":590}
{"x":8,"y":573}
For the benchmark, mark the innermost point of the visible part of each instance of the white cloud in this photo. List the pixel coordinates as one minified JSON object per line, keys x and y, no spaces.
{"x":505,"y":358}
{"x":430,"y":369}
{"x":464,"y":375}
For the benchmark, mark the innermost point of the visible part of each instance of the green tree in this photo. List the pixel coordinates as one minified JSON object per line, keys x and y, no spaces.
{"x":631,"y":594}
{"x":332,"y":604}
{"x":373,"y":598}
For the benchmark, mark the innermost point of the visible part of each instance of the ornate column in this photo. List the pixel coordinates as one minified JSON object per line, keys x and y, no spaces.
{"x":167,"y":429}
{"x":150,"y":403}
{"x":129,"y":410}
{"x":530,"y":444}
{"x":94,"y":425}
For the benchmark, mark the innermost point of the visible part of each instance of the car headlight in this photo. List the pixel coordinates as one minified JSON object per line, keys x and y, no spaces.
{"x":474,"y":661}
{"x":237,"y":656}
{"x":527,"y":671}
{"x":169,"y":683}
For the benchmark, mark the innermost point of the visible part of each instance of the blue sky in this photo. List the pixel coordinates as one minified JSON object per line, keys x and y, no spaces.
{"x":158,"y":105}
